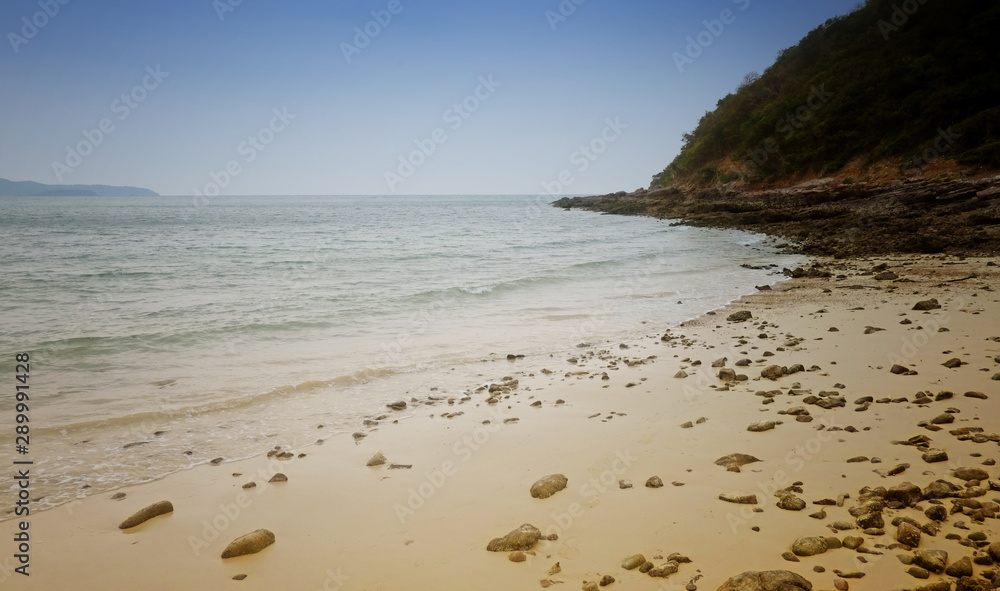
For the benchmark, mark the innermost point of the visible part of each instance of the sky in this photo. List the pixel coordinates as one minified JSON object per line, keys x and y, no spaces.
{"x":372,"y":97}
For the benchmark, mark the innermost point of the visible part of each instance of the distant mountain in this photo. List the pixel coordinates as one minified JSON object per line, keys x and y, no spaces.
{"x":894,"y":88}
{"x":33,"y":189}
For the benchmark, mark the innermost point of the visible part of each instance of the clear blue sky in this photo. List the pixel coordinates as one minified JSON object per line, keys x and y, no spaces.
{"x":552,"y":86}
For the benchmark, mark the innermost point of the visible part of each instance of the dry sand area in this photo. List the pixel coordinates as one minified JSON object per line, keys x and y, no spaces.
{"x":866,"y":477}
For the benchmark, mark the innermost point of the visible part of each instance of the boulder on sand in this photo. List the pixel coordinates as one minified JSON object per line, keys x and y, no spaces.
{"x":523,"y":538}
{"x":147,"y":513}
{"x":251,"y":543}
{"x":548,"y":486}
{"x":772,"y":580}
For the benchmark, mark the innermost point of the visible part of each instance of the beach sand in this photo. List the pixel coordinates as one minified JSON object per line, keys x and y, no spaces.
{"x":342,"y":525}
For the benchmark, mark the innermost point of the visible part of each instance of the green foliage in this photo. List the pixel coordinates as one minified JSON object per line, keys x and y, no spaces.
{"x":889,"y":97}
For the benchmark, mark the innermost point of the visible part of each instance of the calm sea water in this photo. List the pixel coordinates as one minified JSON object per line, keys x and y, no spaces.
{"x":225,"y":329}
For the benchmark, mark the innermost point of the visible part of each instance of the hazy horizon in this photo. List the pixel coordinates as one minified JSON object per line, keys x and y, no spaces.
{"x":372,"y":98}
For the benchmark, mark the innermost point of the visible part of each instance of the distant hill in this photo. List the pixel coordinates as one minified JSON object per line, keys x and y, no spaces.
{"x":891,"y":90}
{"x":33,"y":189}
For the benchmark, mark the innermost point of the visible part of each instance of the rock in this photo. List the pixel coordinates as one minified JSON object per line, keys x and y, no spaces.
{"x":633,"y":562}
{"x":761,"y":426}
{"x":906,"y":493}
{"x":790,"y":502}
{"x":398,"y":405}
{"x":853,"y":542}
{"x":377,"y":460}
{"x":548,"y":486}
{"x":908,"y":534}
{"x":118,"y":496}
{"x":741,"y":316}
{"x":772,"y":372}
{"x":727,"y":375}
{"x":772,"y":580}
{"x":960,"y":568}
{"x":251,"y":543}
{"x":994,"y":550}
{"x":278,"y":477}
{"x":606,"y":580}
{"x":681,"y":374}
{"x":976,"y":395}
{"x":931,"y":304}
{"x":810,"y":546}
{"x":144,"y":515}
{"x":953,"y":363}
{"x":871,"y":520}
{"x":936,"y":512}
{"x":739,"y":497}
{"x":940,"y":489}
{"x":624,"y":484}
{"x":973,"y":584}
{"x":654,"y":482}
{"x":885,"y":276}
{"x":919,"y":573}
{"x":971,"y":474}
{"x":932,"y":560}
{"x":943,"y":419}
{"x":523,"y":538}
{"x":664,"y":571}
{"x":733,"y":462}
{"x":935,"y":455}
{"x":590,"y":586}
{"x":790,"y":557}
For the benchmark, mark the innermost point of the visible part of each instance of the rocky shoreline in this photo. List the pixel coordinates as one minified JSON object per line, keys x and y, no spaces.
{"x":825,"y":217}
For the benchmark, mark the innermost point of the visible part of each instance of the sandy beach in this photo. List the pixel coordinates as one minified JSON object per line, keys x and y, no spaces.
{"x":459,"y":466}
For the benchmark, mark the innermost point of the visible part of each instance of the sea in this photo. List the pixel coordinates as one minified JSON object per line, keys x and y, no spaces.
{"x":164,"y":332}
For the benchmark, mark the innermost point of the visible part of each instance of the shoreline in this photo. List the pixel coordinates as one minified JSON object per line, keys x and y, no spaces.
{"x":150,"y":447}
{"x":340,"y":524}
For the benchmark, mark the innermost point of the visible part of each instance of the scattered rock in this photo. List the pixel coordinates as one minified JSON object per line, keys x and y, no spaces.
{"x":548,"y":486}
{"x":251,"y":543}
{"x":278,"y":477}
{"x":931,"y":304}
{"x":953,"y":363}
{"x":654,"y":482}
{"x":964,"y":473}
{"x":398,"y":405}
{"x":773,"y":372}
{"x":932,"y":560}
{"x":935,"y":455}
{"x":772,"y":580}
{"x":810,"y":546}
{"x":523,"y":538}
{"x":377,"y":460}
{"x":960,"y":568}
{"x":733,"y":462}
{"x":739,"y":497}
{"x":908,"y":534}
{"x":633,"y":562}
{"x":147,"y":513}
{"x":741,"y":316}
{"x":761,"y":426}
